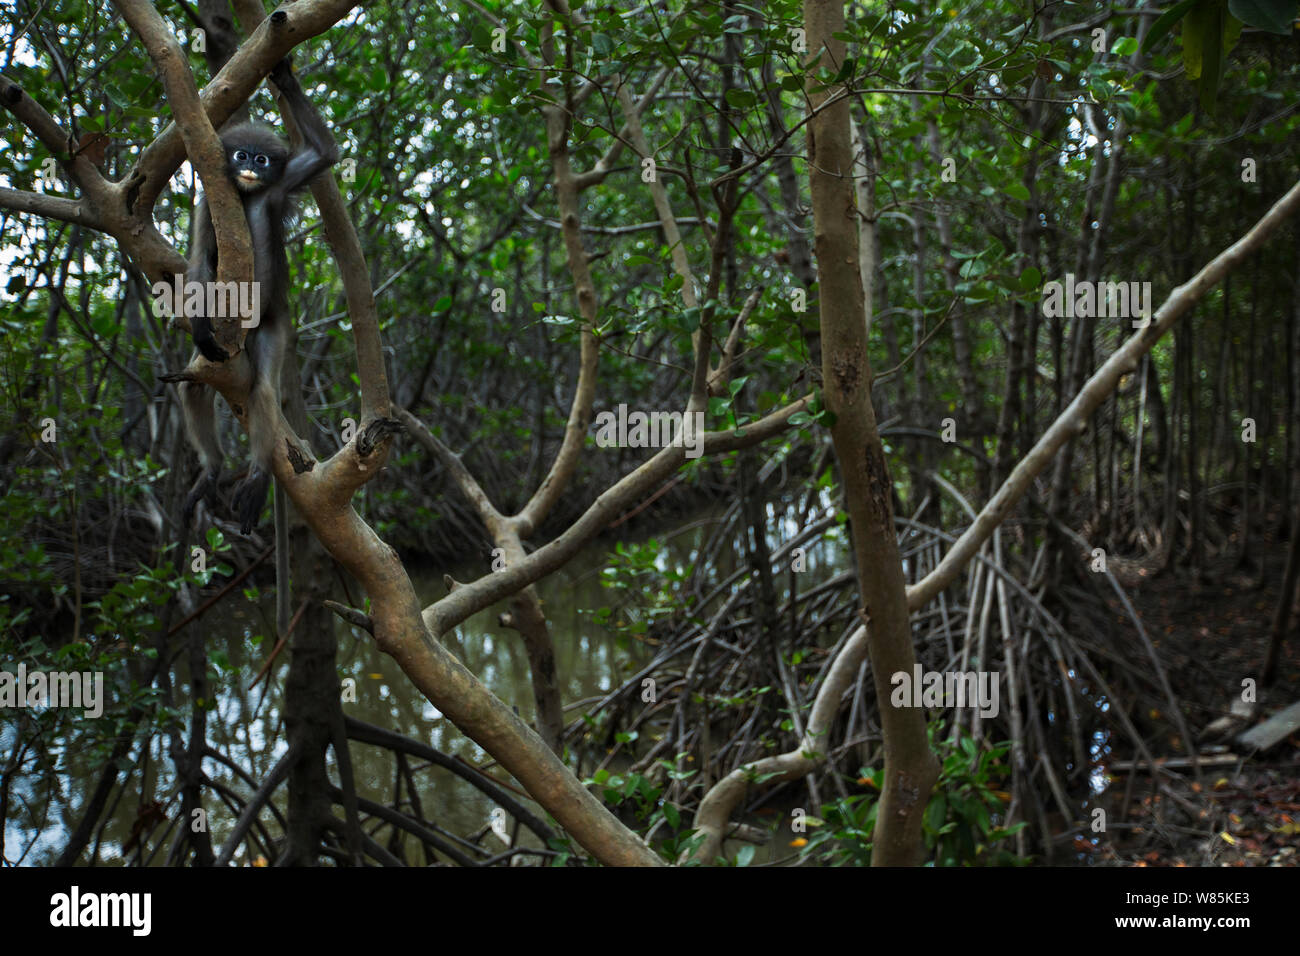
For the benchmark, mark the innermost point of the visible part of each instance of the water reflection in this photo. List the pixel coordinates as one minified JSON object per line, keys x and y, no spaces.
{"x":246,"y":724}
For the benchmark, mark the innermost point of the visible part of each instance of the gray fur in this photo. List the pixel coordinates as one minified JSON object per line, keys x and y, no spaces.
{"x":267,"y":203}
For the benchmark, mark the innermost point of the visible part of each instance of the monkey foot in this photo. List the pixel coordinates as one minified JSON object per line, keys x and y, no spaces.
{"x":205,"y":488}
{"x":210,"y":349}
{"x":377,"y":431}
{"x":250,"y":496}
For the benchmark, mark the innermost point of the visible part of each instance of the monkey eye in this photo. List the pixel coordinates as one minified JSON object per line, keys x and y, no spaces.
{"x":260,"y":159}
{"x":241,"y":156}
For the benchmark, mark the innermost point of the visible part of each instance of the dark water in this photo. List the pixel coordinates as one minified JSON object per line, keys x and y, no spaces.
{"x":592,"y":655}
{"x":246,"y":724}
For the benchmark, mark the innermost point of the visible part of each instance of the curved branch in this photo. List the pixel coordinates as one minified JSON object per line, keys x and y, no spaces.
{"x":445,"y":614}
{"x":235,"y":260}
{"x":1074,"y":419}
{"x":716,"y":808}
{"x":363,"y":732}
{"x":230,"y":89}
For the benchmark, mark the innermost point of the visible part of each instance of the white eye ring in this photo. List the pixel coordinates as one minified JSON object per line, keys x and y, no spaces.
{"x":240,"y":156}
{"x":261,"y":160}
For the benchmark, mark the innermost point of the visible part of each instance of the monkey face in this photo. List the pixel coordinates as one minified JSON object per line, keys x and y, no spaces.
{"x":253,"y":169}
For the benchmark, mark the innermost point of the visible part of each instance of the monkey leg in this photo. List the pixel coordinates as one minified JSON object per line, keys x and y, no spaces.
{"x":263,"y":414}
{"x":202,"y":270}
{"x":198,"y":406}
{"x":250,"y":496}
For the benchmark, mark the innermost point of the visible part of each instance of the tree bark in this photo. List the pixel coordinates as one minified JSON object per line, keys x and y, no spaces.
{"x":910,"y":767}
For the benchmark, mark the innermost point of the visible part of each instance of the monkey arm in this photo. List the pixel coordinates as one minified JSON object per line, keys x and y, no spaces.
{"x":318,"y":150}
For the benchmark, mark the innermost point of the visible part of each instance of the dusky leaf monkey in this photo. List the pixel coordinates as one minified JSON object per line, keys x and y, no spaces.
{"x":267,"y":174}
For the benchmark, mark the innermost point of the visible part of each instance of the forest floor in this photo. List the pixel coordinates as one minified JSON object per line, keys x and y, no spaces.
{"x":1211,"y":631}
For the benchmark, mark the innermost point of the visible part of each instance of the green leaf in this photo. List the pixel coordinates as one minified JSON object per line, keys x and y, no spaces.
{"x":1275,"y":16}
{"x":1030,"y":279}
{"x":936,"y":813}
{"x":116,"y":96}
{"x":1166,"y":22}
{"x":745,"y":856}
{"x":741,"y":99}
{"x":1203,"y":53}
{"x":1017,"y":191}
